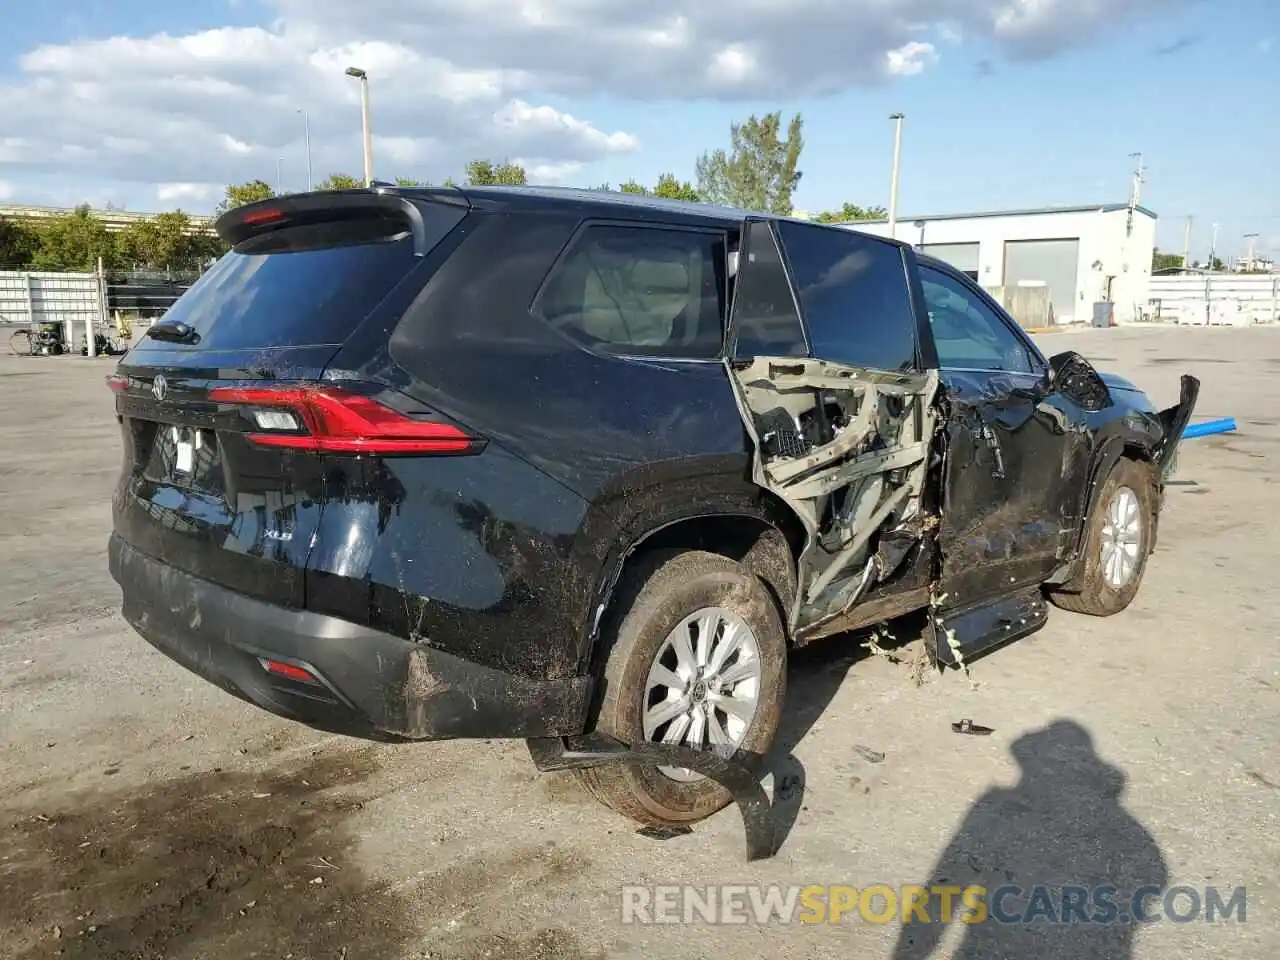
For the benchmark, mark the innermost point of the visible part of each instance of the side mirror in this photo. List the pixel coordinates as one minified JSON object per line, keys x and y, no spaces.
{"x":1076,"y":379}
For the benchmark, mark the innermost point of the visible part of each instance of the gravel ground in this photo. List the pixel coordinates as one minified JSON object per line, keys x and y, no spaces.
{"x":145,"y":813}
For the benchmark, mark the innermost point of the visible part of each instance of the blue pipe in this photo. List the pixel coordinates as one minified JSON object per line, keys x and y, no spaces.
{"x":1208,"y":427}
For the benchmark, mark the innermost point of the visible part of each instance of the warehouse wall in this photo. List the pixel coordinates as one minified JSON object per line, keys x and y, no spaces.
{"x":1102,"y":237}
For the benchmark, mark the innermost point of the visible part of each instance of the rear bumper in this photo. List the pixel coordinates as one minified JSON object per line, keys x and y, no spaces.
{"x":366,"y":683}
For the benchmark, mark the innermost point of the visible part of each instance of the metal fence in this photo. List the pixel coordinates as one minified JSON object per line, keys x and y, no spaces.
{"x":1216,"y":298}
{"x":75,"y":301}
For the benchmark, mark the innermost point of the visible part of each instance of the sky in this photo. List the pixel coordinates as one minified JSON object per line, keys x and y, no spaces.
{"x":1008,"y":103}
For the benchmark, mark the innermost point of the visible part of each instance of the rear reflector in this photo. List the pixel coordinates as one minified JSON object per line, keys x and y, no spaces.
{"x":288,"y":670}
{"x":337,"y":421}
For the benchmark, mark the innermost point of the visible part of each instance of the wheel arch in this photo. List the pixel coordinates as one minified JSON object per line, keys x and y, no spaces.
{"x":1107,"y":454}
{"x":757,"y":529}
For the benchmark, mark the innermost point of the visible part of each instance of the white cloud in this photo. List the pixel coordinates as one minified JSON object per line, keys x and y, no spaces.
{"x":564,"y":173}
{"x":450,"y":82}
{"x":7,"y":191}
{"x":910,"y":58}
{"x":198,"y":192}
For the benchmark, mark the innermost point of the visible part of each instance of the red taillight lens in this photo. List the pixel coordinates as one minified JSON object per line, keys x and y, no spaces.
{"x":341,"y":422}
{"x":282,"y":669}
{"x":117,"y":383}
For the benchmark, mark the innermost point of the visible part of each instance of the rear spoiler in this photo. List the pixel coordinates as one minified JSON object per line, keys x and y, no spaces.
{"x":299,"y":209}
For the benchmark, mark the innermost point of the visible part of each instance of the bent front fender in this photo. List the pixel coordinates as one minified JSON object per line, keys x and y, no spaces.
{"x":1174,"y":420}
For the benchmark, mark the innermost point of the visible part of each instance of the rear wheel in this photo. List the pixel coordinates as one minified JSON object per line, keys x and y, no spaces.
{"x":696,"y":656}
{"x":1117,"y":543}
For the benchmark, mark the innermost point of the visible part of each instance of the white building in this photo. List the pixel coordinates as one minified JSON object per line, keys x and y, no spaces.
{"x":1082,"y":254}
{"x":113,"y":219}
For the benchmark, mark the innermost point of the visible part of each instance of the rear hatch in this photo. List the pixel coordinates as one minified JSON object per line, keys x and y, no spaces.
{"x":222,"y":405}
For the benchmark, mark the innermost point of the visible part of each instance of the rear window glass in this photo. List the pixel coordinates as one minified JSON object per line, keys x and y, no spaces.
{"x":295,"y":287}
{"x":640,"y":292}
{"x":854,"y":295}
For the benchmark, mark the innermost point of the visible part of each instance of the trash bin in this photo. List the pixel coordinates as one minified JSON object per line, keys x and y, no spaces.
{"x":1104,"y":314}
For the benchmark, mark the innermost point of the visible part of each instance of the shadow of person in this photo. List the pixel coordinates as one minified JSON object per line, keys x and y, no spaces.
{"x":1059,"y":857}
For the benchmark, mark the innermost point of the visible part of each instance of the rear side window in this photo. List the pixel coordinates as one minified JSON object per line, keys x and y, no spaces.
{"x":301,"y":285}
{"x":765,"y":320}
{"x":854,"y":295}
{"x":640,"y":292}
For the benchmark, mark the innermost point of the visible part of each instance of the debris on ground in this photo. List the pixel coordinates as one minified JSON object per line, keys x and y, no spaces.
{"x":663,"y":833}
{"x":872,"y":643}
{"x":867,"y":754}
{"x":967,"y":726}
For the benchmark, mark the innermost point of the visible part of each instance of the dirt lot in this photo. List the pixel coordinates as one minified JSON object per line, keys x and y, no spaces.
{"x":144,"y":813}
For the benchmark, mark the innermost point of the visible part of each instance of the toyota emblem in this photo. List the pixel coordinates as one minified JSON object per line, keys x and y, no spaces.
{"x":158,"y":387}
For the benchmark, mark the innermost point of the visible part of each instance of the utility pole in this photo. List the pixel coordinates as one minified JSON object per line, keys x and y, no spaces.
{"x":306,"y":139}
{"x":897,"y":119}
{"x":1253,"y":250}
{"x":363,"y":77}
{"x":1135,"y":192}
{"x":1213,"y":248}
{"x":1186,"y":244}
{"x":279,"y":184}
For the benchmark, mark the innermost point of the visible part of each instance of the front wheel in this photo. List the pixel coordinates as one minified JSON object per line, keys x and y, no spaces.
{"x":1117,"y":543}
{"x":696,"y":657}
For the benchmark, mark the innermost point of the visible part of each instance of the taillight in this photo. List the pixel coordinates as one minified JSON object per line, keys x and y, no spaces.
{"x":117,"y":382}
{"x":330,"y":420}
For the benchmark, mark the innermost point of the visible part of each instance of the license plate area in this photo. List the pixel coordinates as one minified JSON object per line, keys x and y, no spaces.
{"x":184,"y":456}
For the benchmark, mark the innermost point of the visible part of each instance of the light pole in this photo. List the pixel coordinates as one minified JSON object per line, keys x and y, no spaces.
{"x":364,"y":122}
{"x":919,"y":225}
{"x":1253,"y":250}
{"x":306,"y":139}
{"x":897,"y":119}
{"x":279,"y":187}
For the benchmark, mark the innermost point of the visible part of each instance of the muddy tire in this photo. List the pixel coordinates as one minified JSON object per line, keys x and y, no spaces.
{"x":660,"y":598}
{"x":1116,"y":544}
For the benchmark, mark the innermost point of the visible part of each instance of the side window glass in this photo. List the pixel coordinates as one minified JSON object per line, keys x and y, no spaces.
{"x":640,"y":292}
{"x":854,"y":295}
{"x":765,"y":321}
{"x":968,"y":334}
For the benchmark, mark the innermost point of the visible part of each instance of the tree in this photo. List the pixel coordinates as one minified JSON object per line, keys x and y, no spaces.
{"x":18,"y":243}
{"x":410,"y":182}
{"x":632,"y":187}
{"x":758,"y":172}
{"x":339,"y":181}
{"x":167,"y":241}
{"x":1165,"y":261}
{"x":483,"y":173}
{"x":74,"y":242}
{"x":851,"y":213}
{"x":238,"y":194}
{"x":671,"y":188}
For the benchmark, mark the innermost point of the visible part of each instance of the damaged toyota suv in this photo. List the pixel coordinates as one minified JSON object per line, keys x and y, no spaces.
{"x":415,"y":464}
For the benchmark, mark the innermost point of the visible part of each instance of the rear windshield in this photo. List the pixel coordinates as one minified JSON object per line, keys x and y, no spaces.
{"x":300,"y":286}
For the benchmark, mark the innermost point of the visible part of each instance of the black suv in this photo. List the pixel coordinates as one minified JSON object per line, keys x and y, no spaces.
{"x":414,"y":464}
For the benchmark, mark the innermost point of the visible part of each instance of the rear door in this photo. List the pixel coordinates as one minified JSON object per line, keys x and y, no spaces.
{"x":215,"y":400}
{"x":838,"y":400}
